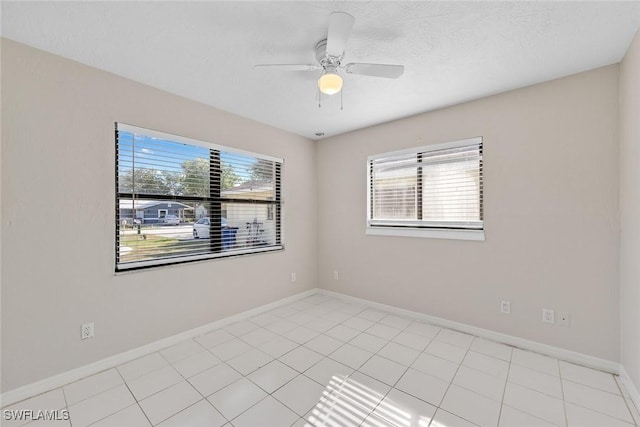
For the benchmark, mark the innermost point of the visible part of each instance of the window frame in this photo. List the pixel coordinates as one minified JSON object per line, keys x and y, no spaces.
{"x":419,"y":227}
{"x":213,"y":199}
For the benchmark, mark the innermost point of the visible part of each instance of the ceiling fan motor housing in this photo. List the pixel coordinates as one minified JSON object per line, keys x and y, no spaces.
{"x":328,"y":62}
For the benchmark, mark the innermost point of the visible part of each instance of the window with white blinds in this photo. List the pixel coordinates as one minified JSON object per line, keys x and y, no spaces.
{"x":432,"y":191}
{"x":180,"y":199}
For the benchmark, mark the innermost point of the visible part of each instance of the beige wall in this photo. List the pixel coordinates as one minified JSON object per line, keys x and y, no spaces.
{"x":551,"y":202}
{"x":630,"y":211}
{"x":551,"y":209}
{"x":58,"y":219}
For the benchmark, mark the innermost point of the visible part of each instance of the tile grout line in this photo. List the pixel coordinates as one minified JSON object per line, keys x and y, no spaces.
{"x":319,"y":314}
{"x":124,"y":382}
{"x":66,"y":404}
{"x":592,"y":409}
{"x":206,"y":398}
{"x":453,"y":378}
{"x":365,"y":362}
{"x":240,"y":373}
{"x":504,"y":390}
{"x":207,"y":349}
{"x":633,"y":418}
{"x":564,"y":400}
{"x":134,"y":398}
{"x":187,"y":381}
{"x":373,"y":354}
{"x":298,"y":373}
{"x":394,"y":384}
{"x":431,"y":339}
{"x":62,"y":389}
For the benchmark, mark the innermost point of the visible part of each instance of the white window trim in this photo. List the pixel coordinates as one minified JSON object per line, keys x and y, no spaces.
{"x":377,"y":227}
{"x":428,"y":233}
{"x":166,"y":262}
{"x":432,"y":147}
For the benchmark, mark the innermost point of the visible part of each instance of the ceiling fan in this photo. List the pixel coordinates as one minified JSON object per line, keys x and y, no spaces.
{"x":329,"y":54}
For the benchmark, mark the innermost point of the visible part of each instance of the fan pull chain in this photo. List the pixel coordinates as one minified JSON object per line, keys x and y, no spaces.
{"x":319,"y":98}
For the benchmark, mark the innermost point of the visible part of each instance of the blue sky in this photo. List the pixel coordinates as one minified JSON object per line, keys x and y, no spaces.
{"x":166,"y":155}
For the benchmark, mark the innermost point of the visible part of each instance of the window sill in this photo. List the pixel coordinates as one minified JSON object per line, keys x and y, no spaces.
{"x":428,"y":233}
{"x":163,"y":263}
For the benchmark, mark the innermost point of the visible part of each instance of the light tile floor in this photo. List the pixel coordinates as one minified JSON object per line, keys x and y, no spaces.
{"x":323,"y":361}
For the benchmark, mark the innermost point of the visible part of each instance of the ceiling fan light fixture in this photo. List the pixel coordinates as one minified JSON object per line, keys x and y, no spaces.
{"x":330,"y":83}
{"x":329,"y":54}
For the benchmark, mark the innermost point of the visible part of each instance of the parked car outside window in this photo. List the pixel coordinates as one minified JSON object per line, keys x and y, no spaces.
{"x":201,"y":227}
{"x":170,"y":220}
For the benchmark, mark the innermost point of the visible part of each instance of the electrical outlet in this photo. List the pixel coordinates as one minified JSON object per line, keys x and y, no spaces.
{"x":564,"y":319}
{"x":335,"y":275}
{"x":86,"y":331}
{"x":548,"y":315}
{"x":293,"y":277}
{"x":505,"y":307}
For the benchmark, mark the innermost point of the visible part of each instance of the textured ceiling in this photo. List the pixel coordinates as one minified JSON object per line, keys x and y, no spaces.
{"x":452,"y":51}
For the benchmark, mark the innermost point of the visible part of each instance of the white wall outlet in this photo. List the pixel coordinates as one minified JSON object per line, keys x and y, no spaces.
{"x":505,"y":307}
{"x":548,"y":315}
{"x":293,"y":277}
{"x":335,"y":275}
{"x":564,"y":319}
{"x":86,"y":331}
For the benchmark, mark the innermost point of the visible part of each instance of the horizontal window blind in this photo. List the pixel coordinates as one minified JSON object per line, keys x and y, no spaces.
{"x":428,"y":187}
{"x":182,"y":200}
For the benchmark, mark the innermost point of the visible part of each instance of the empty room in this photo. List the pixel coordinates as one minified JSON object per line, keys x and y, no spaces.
{"x":320,"y":213}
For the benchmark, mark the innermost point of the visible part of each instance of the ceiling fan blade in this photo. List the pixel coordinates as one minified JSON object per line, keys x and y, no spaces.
{"x":288,"y":67}
{"x":340,"y":25}
{"x":376,"y":70}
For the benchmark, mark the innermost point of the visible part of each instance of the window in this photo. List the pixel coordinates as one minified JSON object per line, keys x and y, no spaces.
{"x":180,"y":200}
{"x":433,"y":191}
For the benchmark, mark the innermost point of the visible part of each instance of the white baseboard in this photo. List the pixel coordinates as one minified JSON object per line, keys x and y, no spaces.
{"x":60,"y":380}
{"x":39,"y":387}
{"x":631,"y":388}
{"x":560,"y":353}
